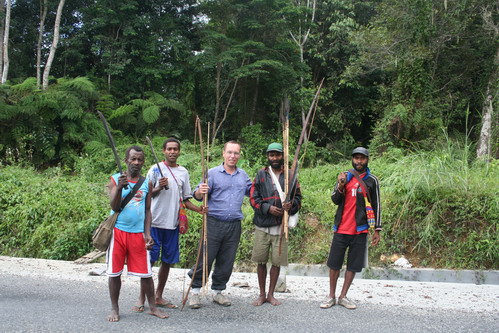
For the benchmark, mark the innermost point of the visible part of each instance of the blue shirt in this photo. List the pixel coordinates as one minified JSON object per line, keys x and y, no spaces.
{"x":131,"y":218}
{"x":226,"y":193}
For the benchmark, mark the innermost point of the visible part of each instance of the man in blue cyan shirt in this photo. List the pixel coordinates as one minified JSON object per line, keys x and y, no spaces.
{"x":226,"y":188}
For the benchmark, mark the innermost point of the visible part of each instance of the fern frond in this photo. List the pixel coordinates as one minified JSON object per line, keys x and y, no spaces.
{"x":155,"y":98}
{"x":72,"y":113}
{"x":28,"y":86}
{"x":141,"y":103}
{"x":174,"y":105}
{"x":122,"y":111}
{"x":151,"y":114}
{"x":80,"y":84}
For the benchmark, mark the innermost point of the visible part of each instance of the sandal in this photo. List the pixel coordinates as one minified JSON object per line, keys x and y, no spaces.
{"x":167,"y":305}
{"x":138,"y":308}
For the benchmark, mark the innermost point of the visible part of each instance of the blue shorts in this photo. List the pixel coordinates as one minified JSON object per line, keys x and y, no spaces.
{"x":166,"y":241}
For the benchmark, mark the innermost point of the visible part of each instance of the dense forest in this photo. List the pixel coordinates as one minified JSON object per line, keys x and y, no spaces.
{"x":397,"y":73}
{"x":415,"y":81}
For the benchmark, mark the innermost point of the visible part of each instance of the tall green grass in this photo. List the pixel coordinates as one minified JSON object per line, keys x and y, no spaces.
{"x":440,"y":208}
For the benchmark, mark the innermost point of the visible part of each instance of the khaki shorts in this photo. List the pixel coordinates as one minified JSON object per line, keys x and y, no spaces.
{"x":262,"y":248}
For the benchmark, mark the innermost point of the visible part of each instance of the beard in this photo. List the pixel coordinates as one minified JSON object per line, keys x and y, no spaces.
{"x":134,"y":170}
{"x":276,"y":164}
{"x":360,"y":167}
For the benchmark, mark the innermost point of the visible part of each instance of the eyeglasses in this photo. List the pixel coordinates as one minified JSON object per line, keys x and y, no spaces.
{"x":235,"y":153}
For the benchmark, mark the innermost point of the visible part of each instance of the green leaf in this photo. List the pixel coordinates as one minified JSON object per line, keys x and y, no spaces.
{"x":151,"y":114}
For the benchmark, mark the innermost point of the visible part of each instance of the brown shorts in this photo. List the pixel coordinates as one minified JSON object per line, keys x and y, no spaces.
{"x":264,"y":244}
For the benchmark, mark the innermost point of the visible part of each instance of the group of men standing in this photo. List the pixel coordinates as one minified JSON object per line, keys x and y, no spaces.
{"x":147,"y":227}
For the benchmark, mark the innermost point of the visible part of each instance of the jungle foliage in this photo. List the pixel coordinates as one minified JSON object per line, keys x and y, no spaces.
{"x":412,"y":80}
{"x":396,"y":72}
{"x":437,"y":209}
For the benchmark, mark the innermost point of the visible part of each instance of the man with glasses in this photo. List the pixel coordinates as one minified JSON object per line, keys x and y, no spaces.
{"x":227,"y":185}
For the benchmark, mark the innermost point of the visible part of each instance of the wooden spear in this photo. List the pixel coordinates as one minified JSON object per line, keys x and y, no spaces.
{"x":203,"y":241}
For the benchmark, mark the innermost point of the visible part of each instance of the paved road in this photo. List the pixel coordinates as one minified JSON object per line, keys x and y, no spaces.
{"x":36,"y":304}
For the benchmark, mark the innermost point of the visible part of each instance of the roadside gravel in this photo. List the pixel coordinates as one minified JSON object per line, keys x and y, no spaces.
{"x":422,"y":295}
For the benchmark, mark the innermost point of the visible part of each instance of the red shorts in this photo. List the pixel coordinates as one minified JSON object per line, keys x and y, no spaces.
{"x":132,"y":248}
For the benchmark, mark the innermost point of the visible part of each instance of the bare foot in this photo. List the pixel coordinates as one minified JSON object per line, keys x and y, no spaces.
{"x":113,"y":316}
{"x":259,"y":301}
{"x":138,"y":308}
{"x":273,"y":301}
{"x":158,"y":313}
{"x":162,"y":303}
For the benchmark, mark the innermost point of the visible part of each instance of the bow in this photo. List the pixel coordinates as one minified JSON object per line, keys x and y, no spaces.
{"x":203,"y":242}
{"x":295,"y":166}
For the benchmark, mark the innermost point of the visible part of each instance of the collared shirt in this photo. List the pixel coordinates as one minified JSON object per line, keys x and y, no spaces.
{"x":226,"y":193}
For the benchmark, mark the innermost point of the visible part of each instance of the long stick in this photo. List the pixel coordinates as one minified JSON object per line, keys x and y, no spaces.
{"x":294,"y":168}
{"x":156,"y":159}
{"x":203,"y":227}
{"x":285,"y":141}
{"x":205,"y":218}
{"x":111,"y":142}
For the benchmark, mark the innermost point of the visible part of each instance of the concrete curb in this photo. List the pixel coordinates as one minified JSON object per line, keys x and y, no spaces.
{"x":405,"y":274}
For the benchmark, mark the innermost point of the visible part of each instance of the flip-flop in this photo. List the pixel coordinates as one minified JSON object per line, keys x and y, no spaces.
{"x":138,"y":308}
{"x":167,"y":305}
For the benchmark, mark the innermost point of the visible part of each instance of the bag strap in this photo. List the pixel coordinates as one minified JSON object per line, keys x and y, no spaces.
{"x":361,"y":183}
{"x":175,"y":178}
{"x":130,"y":195}
{"x":276,"y":185}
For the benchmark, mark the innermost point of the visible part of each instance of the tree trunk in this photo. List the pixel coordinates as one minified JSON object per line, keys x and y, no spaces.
{"x":53,"y":48}
{"x":5,"y":70}
{"x":255,"y":100}
{"x":301,"y":37}
{"x":43,"y":15}
{"x":218,"y":98}
{"x":2,"y":29}
{"x":484,"y":143}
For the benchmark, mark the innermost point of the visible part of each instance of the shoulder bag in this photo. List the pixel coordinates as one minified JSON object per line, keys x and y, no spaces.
{"x":183,"y":222}
{"x":104,"y":232}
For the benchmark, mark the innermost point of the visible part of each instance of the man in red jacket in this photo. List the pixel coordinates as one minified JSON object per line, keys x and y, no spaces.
{"x":351,"y":225}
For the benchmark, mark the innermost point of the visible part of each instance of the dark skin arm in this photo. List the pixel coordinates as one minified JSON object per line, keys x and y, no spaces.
{"x":115,"y":191}
{"x":342,"y":180}
{"x":162,"y":183}
{"x":276,"y":211}
{"x":193,"y":207}
{"x":376,"y":238}
{"x":147,"y":222}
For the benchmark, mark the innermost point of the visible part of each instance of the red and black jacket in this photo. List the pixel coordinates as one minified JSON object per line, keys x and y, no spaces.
{"x":338,"y":198}
{"x":263,"y":194}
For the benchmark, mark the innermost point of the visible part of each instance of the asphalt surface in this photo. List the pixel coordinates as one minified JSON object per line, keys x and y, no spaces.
{"x":45,"y":304}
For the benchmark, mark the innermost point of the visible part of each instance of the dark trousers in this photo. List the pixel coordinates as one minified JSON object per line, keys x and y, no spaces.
{"x":223,"y":240}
